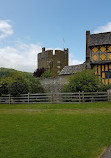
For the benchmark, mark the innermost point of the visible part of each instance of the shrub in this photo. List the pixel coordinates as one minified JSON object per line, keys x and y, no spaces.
{"x":34,"y":86}
{"x":85,"y":81}
{"x":18,"y":87}
{"x":3,"y":88}
{"x":17,"y":83}
{"x":46,"y":74}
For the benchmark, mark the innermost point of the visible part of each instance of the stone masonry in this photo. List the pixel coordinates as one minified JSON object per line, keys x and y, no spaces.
{"x":53,"y":62}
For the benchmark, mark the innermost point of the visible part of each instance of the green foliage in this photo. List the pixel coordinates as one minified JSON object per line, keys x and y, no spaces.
{"x":18,"y":87}
{"x":85,"y":81}
{"x":46,"y":74}
{"x":17,"y":82}
{"x":34,"y":86}
{"x":5,"y":72}
{"x":3,"y":88}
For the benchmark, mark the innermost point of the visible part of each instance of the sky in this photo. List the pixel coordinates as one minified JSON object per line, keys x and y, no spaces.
{"x":28,"y":25}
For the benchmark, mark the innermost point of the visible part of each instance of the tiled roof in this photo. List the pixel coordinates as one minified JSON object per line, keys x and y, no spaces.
{"x":67,"y":70}
{"x":100,"y":39}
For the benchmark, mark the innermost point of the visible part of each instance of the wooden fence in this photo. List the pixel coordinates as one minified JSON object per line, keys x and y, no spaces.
{"x":76,"y":97}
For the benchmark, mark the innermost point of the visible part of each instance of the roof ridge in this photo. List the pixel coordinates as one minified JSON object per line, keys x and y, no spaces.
{"x":100,"y":39}
{"x":100,"y":33}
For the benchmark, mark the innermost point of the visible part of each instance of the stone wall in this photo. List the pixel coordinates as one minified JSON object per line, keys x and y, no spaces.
{"x":54,"y":84}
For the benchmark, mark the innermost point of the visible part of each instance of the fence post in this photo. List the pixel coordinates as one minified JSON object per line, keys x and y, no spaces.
{"x":28,"y":98}
{"x":9,"y":99}
{"x":109,"y":94}
{"x":79,"y":97}
{"x":52,"y":97}
{"x":83,"y":96}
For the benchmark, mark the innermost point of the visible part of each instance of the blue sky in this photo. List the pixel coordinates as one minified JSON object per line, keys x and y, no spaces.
{"x":28,"y":25}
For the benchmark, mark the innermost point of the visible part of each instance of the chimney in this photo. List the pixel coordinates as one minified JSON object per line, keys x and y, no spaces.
{"x":43,"y":49}
{"x":87,"y":47}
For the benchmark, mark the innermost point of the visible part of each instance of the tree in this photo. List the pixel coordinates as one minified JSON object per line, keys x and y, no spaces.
{"x":85,"y":81}
{"x":34,"y":86}
{"x":38,"y":72}
{"x":3,"y":88}
{"x":46,"y":74}
{"x":5,"y":82}
{"x":18,"y":87}
{"x":16,"y":83}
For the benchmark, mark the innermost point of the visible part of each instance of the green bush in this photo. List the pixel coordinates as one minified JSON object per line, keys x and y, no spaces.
{"x":17,"y":83}
{"x":46,"y":74}
{"x":3,"y":88}
{"x":34,"y":86}
{"x":18,"y":87}
{"x":85,"y":81}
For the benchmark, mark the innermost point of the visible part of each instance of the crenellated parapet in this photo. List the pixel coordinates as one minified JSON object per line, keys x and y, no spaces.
{"x":53,"y":61}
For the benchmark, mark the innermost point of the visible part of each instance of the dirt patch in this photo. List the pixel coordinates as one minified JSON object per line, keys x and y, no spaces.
{"x":104,"y":150}
{"x":11,"y":111}
{"x":58,"y":111}
{"x":106,"y":153}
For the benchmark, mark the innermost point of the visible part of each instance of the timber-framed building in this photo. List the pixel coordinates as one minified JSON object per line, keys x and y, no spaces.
{"x":98,"y":51}
{"x":98,"y":57}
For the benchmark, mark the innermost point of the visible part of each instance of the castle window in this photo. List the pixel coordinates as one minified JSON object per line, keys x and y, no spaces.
{"x":58,"y":67}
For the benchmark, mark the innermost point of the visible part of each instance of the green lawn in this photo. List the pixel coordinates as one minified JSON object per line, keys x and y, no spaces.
{"x":54,"y":130}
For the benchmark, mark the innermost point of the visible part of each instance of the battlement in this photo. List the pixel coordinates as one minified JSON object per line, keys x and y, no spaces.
{"x":53,"y":62}
{"x":51,"y":52}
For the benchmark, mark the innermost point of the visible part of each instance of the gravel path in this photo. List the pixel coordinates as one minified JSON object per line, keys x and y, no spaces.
{"x":107,"y":153}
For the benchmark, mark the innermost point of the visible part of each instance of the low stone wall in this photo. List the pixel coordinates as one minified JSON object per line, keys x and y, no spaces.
{"x":54,"y":84}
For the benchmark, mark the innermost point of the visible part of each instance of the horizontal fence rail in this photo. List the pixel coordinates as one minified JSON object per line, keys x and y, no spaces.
{"x":76,"y":97}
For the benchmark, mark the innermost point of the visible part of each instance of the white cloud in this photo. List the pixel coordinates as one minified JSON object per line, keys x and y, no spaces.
{"x":5,"y":29}
{"x":73,"y":61}
{"x":106,"y":28}
{"x":23,"y":57}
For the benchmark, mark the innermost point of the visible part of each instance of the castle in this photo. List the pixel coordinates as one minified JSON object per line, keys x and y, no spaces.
{"x":53,"y":62}
{"x":98,"y":57}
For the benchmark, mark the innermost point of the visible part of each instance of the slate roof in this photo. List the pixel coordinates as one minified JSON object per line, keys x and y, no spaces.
{"x":100,"y":39}
{"x":68,"y":70}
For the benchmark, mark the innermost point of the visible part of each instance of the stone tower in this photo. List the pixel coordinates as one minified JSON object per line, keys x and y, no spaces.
{"x":53,"y":62}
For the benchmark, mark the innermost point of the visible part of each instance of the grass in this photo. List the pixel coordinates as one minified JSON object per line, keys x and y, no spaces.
{"x":55,"y":130}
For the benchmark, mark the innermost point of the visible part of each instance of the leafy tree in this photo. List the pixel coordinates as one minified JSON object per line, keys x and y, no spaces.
{"x":5,"y":72}
{"x":38,"y":72}
{"x":3,"y":88}
{"x":46,"y":74}
{"x":17,"y":82}
{"x":5,"y":82}
{"x":18,"y":87}
{"x":85,"y":81}
{"x":34,"y":86}
{"x":13,"y":83}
